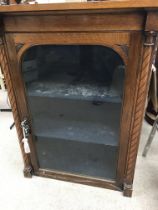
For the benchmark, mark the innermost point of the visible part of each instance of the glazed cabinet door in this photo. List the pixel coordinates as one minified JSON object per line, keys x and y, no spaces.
{"x":76,"y":92}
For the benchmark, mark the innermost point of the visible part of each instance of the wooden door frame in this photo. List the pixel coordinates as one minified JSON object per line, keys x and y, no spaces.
{"x":117,"y":40}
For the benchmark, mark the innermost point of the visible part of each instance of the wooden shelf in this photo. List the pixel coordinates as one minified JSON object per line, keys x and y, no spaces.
{"x":77,"y":157}
{"x":73,"y":120}
{"x":89,"y":92}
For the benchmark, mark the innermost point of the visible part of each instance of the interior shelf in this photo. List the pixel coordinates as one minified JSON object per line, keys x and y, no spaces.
{"x":70,"y":89}
{"x":96,"y":133}
{"x":77,"y":157}
{"x":76,"y":120}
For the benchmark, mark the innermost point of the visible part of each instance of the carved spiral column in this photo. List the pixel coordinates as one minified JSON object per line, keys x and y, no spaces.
{"x":138,"y":112}
{"x":11,"y":95}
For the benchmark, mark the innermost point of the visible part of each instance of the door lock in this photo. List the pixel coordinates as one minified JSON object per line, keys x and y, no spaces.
{"x":26,"y":133}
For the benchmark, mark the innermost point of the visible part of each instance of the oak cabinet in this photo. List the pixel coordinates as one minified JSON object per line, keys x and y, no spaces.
{"x":77,"y":75}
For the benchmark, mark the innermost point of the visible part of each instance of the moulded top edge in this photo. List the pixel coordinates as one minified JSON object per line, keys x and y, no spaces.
{"x":107,"y":4}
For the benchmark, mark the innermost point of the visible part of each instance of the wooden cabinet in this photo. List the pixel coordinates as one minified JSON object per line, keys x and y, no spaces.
{"x":77,"y":76}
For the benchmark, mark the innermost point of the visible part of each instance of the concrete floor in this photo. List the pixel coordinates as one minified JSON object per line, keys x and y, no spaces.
{"x":19,"y":193}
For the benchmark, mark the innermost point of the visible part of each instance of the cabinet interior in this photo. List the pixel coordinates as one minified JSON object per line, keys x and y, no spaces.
{"x":74,"y":97}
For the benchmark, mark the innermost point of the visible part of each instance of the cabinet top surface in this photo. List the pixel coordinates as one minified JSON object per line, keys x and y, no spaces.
{"x":107,"y":4}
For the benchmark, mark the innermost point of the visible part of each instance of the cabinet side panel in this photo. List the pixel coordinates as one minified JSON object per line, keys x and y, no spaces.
{"x":6,"y":68}
{"x":142,"y":85}
{"x":9,"y":83}
{"x":134,"y":58}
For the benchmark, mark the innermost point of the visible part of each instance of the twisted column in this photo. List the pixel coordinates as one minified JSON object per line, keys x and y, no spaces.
{"x":12,"y":99}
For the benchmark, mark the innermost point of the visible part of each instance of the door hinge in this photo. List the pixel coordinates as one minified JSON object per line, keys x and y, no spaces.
{"x":26,"y":133}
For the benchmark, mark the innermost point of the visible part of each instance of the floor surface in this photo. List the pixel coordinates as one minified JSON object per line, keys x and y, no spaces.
{"x":19,"y":193}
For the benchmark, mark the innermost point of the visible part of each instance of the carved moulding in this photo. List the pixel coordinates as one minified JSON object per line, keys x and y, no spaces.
{"x":12,"y":98}
{"x":138,"y":112}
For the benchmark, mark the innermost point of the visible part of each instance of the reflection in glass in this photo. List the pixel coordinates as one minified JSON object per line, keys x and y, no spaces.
{"x":74,"y":95}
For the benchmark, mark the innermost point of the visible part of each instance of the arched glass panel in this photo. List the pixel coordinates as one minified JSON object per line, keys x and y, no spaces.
{"x":74,"y":95}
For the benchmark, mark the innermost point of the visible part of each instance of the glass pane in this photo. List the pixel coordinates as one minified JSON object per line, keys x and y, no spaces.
{"x":74,"y":94}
